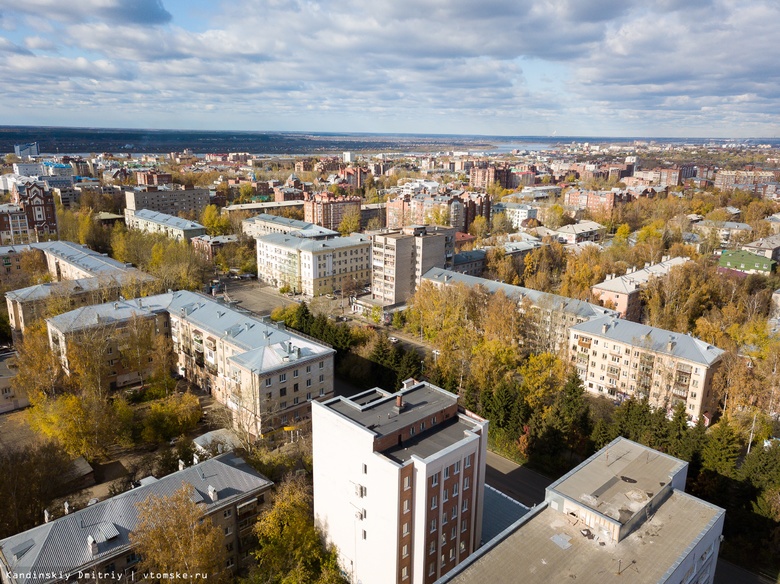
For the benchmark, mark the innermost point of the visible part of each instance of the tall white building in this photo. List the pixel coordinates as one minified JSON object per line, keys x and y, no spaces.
{"x":399,"y":482}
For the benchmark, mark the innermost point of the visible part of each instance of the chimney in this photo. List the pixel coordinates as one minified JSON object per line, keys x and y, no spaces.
{"x":670,"y":344}
{"x":604,"y":327}
{"x":67,"y":507}
{"x":45,"y":515}
{"x":93,"y":546}
{"x":408,"y":383}
{"x":213,"y":495}
{"x":181,"y":464}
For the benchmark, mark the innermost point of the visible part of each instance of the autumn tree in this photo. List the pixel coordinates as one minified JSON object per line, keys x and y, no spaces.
{"x":290,"y":546}
{"x":171,"y":417}
{"x":350,"y":223}
{"x":173,"y":535}
{"x":215,"y":222}
{"x":479,"y":227}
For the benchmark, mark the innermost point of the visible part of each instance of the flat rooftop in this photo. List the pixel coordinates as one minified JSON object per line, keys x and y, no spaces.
{"x":380,"y":415}
{"x":547,"y":547}
{"x":619,"y":480}
{"x":435,"y":439}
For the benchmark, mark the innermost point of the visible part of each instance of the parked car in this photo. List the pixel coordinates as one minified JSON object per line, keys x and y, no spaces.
{"x":392,"y":340}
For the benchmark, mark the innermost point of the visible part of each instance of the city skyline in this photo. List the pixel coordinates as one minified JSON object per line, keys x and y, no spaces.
{"x":667,"y":68}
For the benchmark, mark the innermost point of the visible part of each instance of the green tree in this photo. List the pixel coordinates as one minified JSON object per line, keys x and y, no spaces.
{"x":722,"y":449}
{"x":173,"y":535}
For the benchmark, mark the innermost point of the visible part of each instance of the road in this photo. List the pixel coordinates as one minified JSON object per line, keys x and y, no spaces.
{"x":520,"y":483}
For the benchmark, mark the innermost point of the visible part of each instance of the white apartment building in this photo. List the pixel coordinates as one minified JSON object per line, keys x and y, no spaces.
{"x":267,"y":224}
{"x":400,"y":258}
{"x":399,"y":482}
{"x":621,"y":358}
{"x":620,"y":516}
{"x":313,"y":267}
{"x":168,"y":225}
{"x":516,"y":212}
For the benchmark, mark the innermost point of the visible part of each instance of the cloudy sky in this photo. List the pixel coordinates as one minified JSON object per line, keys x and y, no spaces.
{"x":496,"y":67}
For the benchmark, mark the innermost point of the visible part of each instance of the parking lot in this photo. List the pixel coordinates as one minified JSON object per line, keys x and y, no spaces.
{"x":255,"y":296}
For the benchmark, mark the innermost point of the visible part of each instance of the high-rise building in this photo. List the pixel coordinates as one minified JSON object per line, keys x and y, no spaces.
{"x":329,"y":210}
{"x":400,"y":258}
{"x":399,"y":482}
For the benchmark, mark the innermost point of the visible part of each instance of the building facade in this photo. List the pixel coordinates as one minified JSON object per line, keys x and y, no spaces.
{"x":166,"y":200}
{"x":400,"y":258}
{"x":95,"y":541}
{"x":267,"y":224}
{"x":620,"y":358}
{"x":399,"y":482}
{"x":314,"y":267}
{"x":329,"y":210}
{"x":168,"y":225}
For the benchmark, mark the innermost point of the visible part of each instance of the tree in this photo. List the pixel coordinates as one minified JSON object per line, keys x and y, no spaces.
{"x":722,"y":449}
{"x":173,"y":535}
{"x":350,"y":223}
{"x":214,"y":222}
{"x":479,"y":227}
{"x":291,"y":547}
{"x":137,"y":345}
{"x":170,"y":417}
{"x":38,"y":368}
{"x":500,"y":224}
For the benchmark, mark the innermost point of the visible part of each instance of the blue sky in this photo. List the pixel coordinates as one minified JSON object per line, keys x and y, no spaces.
{"x":496,"y":67}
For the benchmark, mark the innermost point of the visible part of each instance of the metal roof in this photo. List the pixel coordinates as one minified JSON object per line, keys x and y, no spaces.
{"x":537,"y":298}
{"x":651,"y":339}
{"x":168,"y":220}
{"x":62,"y":544}
{"x":630,"y":282}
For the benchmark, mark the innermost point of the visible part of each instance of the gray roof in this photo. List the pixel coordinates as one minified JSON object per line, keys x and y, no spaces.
{"x":291,"y":241}
{"x":217,"y":239}
{"x":724,"y":225}
{"x":61,"y":545}
{"x":80,"y":256}
{"x":109,"y":313}
{"x":767,"y":243}
{"x":569,"y":305}
{"x":500,"y":512}
{"x":651,"y":338}
{"x":631,"y":282}
{"x":465,"y":257}
{"x":168,"y":220}
{"x":293,"y":226}
{"x":73,"y":287}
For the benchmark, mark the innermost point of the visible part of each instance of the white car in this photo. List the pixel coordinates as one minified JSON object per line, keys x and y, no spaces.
{"x":392,"y":340}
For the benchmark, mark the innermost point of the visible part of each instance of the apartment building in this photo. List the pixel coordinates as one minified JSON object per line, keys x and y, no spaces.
{"x":623,"y":293}
{"x":169,"y":225}
{"x":460,"y":207}
{"x":264,"y":374}
{"x":620,"y":516}
{"x":95,"y":541}
{"x":549,"y":316}
{"x":39,"y":222}
{"x":153,"y":177}
{"x":400,"y":258}
{"x":329,"y":210}
{"x":266,"y":224}
{"x":620,"y":358}
{"x":516,"y":212}
{"x":769,"y":247}
{"x":314,"y":267}
{"x":165,"y":199}
{"x":208,"y":246}
{"x":746,"y":262}
{"x":399,"y":482}
{"x":597,"y":200}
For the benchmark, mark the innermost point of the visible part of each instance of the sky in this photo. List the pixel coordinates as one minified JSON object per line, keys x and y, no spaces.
{"x":674,"y":68}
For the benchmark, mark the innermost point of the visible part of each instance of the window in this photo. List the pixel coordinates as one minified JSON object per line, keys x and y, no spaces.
{"x":431,"y":568}
{"x":446,"y":472}
{"x":432,"y":547}
{"x":364,"y":534}
{"x":463,"y":525}
{"x":434,"y":502}
{"x":462,"y":546}
{"x":268,"y":382}
{"x":308,"y":396}
{"x":444,"y":520}
{"x":454,"y":512}
{"x":230,"y":563}
{"x":308,"y":383}
{"x":435,"y":480}
{"x":283,"y":392}
{"x":406,"y":529}
{"x":322,"y":364}
{"x":365,"y":469}
{"x":282,"y":405}
{"x":322,"y":378}
{"x":282,"y":377}
{"x":405,"y":550}
{"x":295,"y":387}
{"x":227,"y":513}
{"x":295,"y":401}
{"x":407,"y":483}
{"x":468,"y":460}
{"x":446,"y":496}
{"x":308,"y":369}
{"x":110,"y":350}
{"x":433,"y":525}
{"x":465,"y":505}
{"x":455,"y":490}
{"x":295,"y":373}
{"x":228,"y":530}
{"x":322,"y":392}
{"x":405,"y":572}
{"x":229,"y":547}
{"x":457,"y":467}
{"x":406,"y":505}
